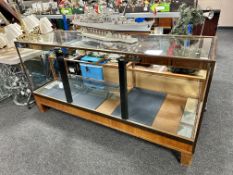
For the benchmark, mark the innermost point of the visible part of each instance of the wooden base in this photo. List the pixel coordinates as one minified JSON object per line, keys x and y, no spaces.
{"x":41,"y":107}
{"x":184,"y":146}
{"x":186,"y":159}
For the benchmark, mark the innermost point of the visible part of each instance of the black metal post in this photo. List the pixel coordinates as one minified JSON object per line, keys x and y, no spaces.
{"x":123,"y":88}
{"x":63,"y":73}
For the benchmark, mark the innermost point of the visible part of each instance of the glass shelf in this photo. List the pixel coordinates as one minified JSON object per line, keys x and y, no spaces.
{"x":188,"y":47}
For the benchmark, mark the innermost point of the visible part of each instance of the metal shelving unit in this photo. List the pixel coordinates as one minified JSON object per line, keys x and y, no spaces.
{"x":129,"y":15}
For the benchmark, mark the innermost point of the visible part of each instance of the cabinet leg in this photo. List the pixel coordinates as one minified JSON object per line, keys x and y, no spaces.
{"x":186,"y":159}
{"x":41,"y":107}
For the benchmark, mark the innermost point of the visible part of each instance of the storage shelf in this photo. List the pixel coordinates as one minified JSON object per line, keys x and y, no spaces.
{"x":199,"y":75}
{"x":54,"y":16}
{"x":152,"y":15}
{"x":129,"y":15}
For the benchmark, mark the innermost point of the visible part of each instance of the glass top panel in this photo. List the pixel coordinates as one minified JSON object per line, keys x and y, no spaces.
{"x":193,"y":47}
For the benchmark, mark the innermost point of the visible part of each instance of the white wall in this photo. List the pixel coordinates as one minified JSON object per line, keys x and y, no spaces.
{"x":226,"y":7}
{"x":214,"y":4}
{"x":226,"y":17}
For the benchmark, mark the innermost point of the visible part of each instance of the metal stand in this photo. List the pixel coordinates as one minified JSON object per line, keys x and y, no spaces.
{"x":64,"y":77}
{"x":123,"y":88}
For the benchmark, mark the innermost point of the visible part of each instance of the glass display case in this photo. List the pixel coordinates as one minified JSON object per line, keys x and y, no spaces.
{"x":155,"y":88}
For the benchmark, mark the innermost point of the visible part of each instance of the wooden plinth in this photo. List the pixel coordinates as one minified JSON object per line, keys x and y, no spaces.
{"x":185,"y":147}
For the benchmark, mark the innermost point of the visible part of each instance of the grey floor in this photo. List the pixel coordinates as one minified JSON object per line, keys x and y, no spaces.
{"x":33,"y":143}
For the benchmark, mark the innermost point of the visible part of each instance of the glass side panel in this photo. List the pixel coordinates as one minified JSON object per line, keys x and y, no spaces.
{"x":53,"y":90}
{"x":163,"y":101}
{"x":164,"y":45}
{"x":37,"y":66}
{"x":97,"y":95}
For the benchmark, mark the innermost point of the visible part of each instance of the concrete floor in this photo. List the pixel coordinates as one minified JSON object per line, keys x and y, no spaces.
{"x":34,"y":143}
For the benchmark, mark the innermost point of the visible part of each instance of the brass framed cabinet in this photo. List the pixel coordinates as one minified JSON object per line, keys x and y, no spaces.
{"x":152,"y":87}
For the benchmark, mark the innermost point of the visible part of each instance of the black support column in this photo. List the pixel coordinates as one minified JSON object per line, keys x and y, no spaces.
{"x":63,"y":73}
{"x":123,"y":88}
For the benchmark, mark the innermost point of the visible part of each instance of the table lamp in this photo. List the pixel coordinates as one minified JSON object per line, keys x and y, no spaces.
{"x":208,"y":15}
{"x":45,"y":25}
{"x":30,"y":22}
{"x":12,"y":32}
{"x":3,"y":40}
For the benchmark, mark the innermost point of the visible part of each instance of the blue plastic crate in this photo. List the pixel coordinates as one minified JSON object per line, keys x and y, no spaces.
{"x":90,"y":59}
{"x":92,"y":72}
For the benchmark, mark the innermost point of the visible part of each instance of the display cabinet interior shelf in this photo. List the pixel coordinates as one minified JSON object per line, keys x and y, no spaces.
{"x":136,"y":93}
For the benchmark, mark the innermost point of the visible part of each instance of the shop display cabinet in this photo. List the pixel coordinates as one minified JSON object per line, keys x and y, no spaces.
{"x":155,"y":89}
